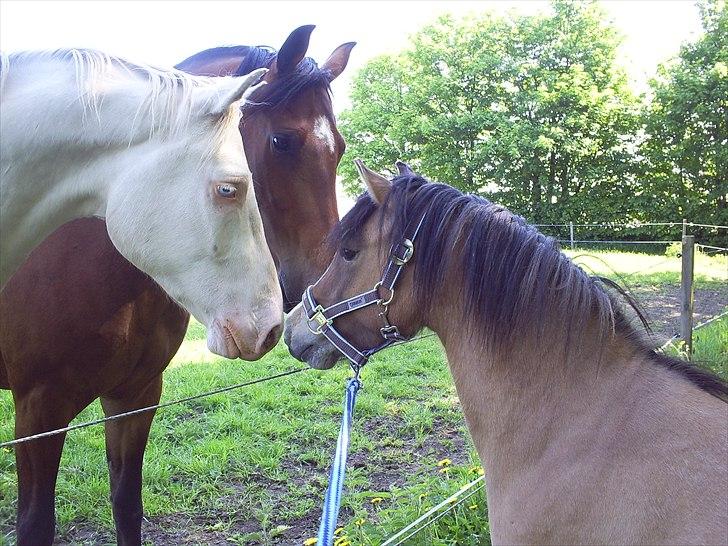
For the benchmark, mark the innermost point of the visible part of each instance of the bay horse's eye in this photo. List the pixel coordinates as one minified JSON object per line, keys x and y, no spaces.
{"x":227,"y":191}
{"x":348,"y":254}
{"x":280,"y":143}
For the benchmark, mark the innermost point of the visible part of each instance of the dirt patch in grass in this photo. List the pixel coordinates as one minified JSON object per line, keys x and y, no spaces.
{"x":662,"y":306}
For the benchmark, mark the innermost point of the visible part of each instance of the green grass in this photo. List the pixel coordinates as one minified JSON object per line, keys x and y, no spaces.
{"x":222,"y":456}
{"x":652,"y":269}
{"x":250,"y":466}
{"x":710,"y":347}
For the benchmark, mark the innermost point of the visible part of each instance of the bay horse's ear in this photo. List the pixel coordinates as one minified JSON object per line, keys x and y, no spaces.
{"x":336,"y":63}
{"x":220,"y":97}
{"x":377,"y":186}
{"x":293,"y":49}
{"x":403,"y":168}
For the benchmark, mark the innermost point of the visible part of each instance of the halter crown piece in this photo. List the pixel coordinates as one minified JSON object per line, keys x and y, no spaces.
{"x":321,"y":320}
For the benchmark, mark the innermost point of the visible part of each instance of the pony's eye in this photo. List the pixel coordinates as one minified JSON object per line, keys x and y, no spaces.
{"x":280,"y":143}
{"x":227,"y":191}
{"x":348,"y":254}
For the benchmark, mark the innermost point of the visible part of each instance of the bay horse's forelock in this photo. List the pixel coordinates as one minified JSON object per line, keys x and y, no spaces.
{"x":79,"y":322}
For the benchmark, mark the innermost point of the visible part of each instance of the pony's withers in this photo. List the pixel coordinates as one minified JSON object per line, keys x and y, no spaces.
{"x":586,"y":434}
{"x":159,"y":156}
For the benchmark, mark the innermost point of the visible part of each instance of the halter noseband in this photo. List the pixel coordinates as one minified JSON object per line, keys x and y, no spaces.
{"x":321,"y":320}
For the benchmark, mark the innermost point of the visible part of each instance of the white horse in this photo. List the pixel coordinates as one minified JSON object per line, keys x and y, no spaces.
{"x":157,"y":154}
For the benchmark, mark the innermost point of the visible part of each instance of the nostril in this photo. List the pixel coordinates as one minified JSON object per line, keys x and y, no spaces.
{"x":272,"y":337}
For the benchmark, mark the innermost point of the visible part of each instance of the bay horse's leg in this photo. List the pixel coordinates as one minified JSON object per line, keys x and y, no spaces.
{"x":126,"y":440}
{"x":37,"y":461}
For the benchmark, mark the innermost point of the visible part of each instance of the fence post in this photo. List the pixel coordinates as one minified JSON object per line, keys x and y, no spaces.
{"x":685,"y":227}
{"x":571,"y":234}
{"x":686,"y":293}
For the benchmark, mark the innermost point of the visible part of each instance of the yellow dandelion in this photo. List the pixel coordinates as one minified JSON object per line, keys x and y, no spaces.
{"x":444,"y":462}
{"x":359,"y":522}
{"x":338,"y":531}
{"x":376,"y":500}
{"x":310,"y":541}
{"x":473,"y":506}
{"x":445,"y":470}
{"x":342,"y":541}
{"x":423,"y":495}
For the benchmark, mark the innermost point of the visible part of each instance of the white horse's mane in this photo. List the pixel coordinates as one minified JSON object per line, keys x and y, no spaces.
{"x":167,"y":105}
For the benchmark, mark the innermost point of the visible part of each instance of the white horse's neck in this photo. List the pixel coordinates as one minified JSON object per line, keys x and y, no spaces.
{"x":74,"y":123}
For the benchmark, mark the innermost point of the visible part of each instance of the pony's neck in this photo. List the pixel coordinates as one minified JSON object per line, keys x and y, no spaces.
{"x":563,"y":442}
{"x":523,"y":403}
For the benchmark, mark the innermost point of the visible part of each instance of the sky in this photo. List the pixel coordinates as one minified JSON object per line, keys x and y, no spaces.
{"x":162,"y":33}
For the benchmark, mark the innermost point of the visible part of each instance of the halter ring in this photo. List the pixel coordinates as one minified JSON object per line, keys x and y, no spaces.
{"x":381,"y":301}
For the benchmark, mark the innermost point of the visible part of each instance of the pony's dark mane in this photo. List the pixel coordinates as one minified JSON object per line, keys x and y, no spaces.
{"x":516,"y":280}
{"x":277,"y":93}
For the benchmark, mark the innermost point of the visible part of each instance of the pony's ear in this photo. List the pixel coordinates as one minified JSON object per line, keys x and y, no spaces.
{"x":336,"y":63}
{"x":403,"y":168}
{"x":230,"y":90}
{"x":293,"y":50}
{"x":377,"y":186}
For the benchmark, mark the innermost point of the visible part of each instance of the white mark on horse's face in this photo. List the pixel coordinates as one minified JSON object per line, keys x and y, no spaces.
{"x":322,"y":129}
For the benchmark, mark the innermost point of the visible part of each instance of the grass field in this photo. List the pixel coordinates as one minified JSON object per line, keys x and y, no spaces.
{"x":638,"y":268}
{"x":250,"y":466}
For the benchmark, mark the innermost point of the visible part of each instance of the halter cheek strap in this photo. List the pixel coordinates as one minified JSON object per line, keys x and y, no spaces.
{"x":321,"y":320}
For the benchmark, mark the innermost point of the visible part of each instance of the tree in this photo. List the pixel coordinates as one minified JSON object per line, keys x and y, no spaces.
{"x":530,"y":111}
{"x":685,"y":150}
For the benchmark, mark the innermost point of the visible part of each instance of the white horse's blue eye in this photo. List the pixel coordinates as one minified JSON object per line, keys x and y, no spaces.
{"x":226,"y":190}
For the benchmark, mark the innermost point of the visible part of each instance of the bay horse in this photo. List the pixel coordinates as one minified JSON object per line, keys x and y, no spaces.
{"x":109,"y":331}
{"x":158,"y":155}
{"x":587,"y":435}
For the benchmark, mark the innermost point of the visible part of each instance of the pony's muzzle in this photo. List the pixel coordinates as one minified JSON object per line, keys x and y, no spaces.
{"x":305,"y":345}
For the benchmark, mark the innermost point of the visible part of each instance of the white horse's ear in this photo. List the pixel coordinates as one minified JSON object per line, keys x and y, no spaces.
{"x":377,"y":186}
{"x":235,"y":89}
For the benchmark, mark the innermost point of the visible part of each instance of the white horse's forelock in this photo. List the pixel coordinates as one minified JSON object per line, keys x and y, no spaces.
{"x":167,"y":106}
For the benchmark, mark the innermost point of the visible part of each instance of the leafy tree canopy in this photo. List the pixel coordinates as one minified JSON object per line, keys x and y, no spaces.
{"x":684,"y":156}
{"x":533,"y":112}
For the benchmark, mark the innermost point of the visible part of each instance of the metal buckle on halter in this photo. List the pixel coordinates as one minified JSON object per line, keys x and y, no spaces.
{"x":386,"y":331}
{"x":319,"y":318}
{"x":409,"y":250}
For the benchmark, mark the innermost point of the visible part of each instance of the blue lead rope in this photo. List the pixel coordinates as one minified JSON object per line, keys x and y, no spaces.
{"x":332,"y":502}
